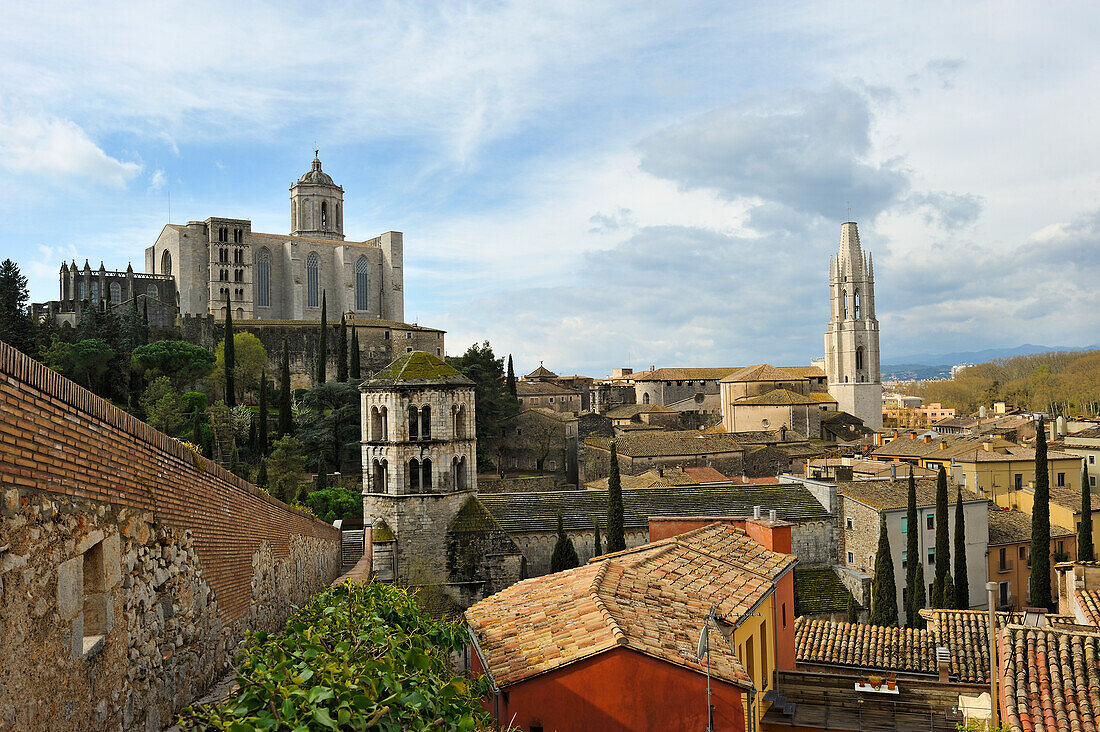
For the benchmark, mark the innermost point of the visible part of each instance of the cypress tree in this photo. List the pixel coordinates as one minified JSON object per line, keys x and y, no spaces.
{"x":884,"y":592}
{"x":961,"y":580}
{"x":286,"y":425}
{"x":1084,"y":534}
{"x":1039,"y":594}
{"x":950,"y":597}
{"x":262,"y":437}
{"x":565,"y":554}
{"x":914,"y":567}
{"x":853,"y":610}
{"x":511,"y":381}
{"x":342,"y":351}
{"x":253,"y":445}
{"x":597,"y":544}
{"x":943,"y":546}
{"x":230,"y":357}
{"x":261,"y":474}
{"x":322,"y":342}
{"x":196,"y":427}
{"x":321,"y":482}
{"x":616,"y":540}
{"x":356,"y":371}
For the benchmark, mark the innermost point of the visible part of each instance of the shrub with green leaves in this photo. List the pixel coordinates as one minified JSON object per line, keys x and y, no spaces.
{"x":356,"y":657}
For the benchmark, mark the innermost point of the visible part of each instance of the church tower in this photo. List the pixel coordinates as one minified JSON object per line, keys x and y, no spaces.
{"x":317,"y":205}
{"x":851,"y":341}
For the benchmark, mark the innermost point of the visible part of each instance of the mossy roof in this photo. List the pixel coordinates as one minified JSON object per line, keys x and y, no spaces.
{"x":818,"y":590}
{"x":418,"y":368}
{"x":381,"y":532}
{"x":472,"y":518}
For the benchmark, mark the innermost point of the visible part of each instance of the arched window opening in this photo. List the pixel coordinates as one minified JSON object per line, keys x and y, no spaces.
{"x":414,"y":476}
{"x":313,"y":280}
{"x":375,"y":424}
{"x":859,"y":358}
{"x":460,"y":473}
{"x":324,"y":216}
{"x":95,"y":291}
{"x":152,"y":292}
{"x":844,"y":299}
{"x":263,"y":278}
{"x":81,"y":290}
{"x":362,"y":284}
{"x":645,"y":398}
{"x":238,"y":275}
{"x":116,"y":293}
{"x":166,"y":263}
{"x":426,"y":470}
{"x":239,"y":314}
{"x":857,"y":305}
{"x":460,"y":422}
{"x":385,"y":424}
{"x":426,"y":423}
{"x":339,"y":219}
{"x":378,"y":483}
{"x":238,"y":235}
{"x":414,"y":423}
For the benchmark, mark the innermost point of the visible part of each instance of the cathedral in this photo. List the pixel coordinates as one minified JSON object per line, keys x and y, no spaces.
{"x":851,"y":339}
{"x":282,"y":276}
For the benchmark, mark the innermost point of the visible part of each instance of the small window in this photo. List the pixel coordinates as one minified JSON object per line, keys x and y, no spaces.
{"x":551,"y":400}
{"x":1061,"y":483}
{"x":408,"y":349}
{"x":931,"y":521}
{"x":1092,"y":459}
{"x":904,"y":559}
{"x":904,"y":524}
{"x":408,"y":336}
{"x":932,"y":556}
{"x":851,"y":558}
{"x":554,"y":466}
{"x":1023,"y":552}
{"x":387,"y":337}
{"x":1018,"y":481}
{"x":1092,"y":481}
{"x":849,"y":523}
{"x":1061,"y":547}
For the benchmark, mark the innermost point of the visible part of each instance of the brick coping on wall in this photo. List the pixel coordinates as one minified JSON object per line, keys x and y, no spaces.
{"x":28,"y":372}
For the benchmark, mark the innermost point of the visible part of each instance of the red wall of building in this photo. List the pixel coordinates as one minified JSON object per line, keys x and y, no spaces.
{"x":620,"y":691}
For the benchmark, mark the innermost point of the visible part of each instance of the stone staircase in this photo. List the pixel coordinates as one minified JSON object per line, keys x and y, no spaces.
{"x":351,"y":546}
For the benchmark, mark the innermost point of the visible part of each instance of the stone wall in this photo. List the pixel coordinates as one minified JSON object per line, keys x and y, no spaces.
{"x":538,"y":547}
{"x":491,"y":483}
{"x":129,"y":567}
{"x":814,"y":543}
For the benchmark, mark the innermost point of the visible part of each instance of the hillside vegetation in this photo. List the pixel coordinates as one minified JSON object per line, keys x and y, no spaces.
{"x":1063,"y":382}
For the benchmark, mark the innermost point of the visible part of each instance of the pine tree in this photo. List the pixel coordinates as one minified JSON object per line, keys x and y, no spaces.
{"x":961,"y":580}
{"x":262,"y":436}
{"x":914,"y":568}
{"x":1085,"y":552}
{"x":884,"y":592}
{"x":342,"y":351}
{"x":616,"y":539}
{"x":565,"y":554}
{"x":597,"y":544}
{"x":16,"y":326}
{"x":356,"y":371}
{"x":286,"y":425}
{"x":322,"y":343}
{"x":230,"y":357}
{"x":1039,"y":594}
{"x":511,"y":380}
{"x":943,"y":545}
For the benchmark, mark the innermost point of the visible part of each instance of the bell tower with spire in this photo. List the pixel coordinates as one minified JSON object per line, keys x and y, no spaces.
{"x":851,"y":340}
{"x":317,"y":205}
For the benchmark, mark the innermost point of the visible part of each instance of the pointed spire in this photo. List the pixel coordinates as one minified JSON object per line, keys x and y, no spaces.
{"x":87,"y":268}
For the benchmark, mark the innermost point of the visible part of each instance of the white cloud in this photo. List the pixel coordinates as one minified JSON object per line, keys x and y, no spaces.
{"x":58,"y":150}
{"x":158,"y":180}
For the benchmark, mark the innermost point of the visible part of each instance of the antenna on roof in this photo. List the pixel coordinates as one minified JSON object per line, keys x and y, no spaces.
{"x":849,"y":210}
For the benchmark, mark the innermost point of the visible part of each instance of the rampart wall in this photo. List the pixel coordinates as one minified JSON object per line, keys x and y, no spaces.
{"x":129,"y":566}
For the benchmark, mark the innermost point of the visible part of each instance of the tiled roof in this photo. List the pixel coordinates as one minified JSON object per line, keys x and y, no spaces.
{"x":680,"y":442}
{"x":819,"y":590}
{"x":1051,"y":679}
{"x":1009,"y":453}
{"x":541,"y":373}
{"x":781,"y":397}
{"x":895,"y":493}
{"x":1014,"y":527}
{"x":683,"y":374}
{"x":705,"y":474}
{"x":761,"y":372}
{"x":823,"y":397}
{"x":909,"y":650}
{"x":522,"y":513}
{"x":911,"y":447}
{"x":417,"y":368}
{"x":653,"y":478}
{"x":541,"y":388}
{"x":1089,"y":601}
{"x":864,"y":646}
{"x":629,"y":411}
{"x":1092,"y":433}
{"x":653,"y":600}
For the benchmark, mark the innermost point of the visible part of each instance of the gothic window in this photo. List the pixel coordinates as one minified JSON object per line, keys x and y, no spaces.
{"x":152,"y":292}
{"x":844,"y":299}
{"x":426,"y":423}
{"x":857,"y":305}
{"x":238,"y":275}
{"x":238,"y":235}
{"x":313,"y":280}
{"x":414,"y":423}
{"x":414,"y":476}
{"x":362,"y":284}
{"x":95,"y":291}
{"x":324,"y":216}
{"x":426,"y":469}
{"x":859,"y":358}
{"x":166,"y":263}
{"x":223,"y":234}
{"x":223,"y":255}
{"x":116,"y":293}
{"x":82,"y":292}
{"x":263,"y":278}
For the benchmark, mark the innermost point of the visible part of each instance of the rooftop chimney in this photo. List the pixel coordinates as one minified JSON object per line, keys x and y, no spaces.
{"x":771,"y":514}
{"x":943,"y":444}
{"x":943,"y":664}
{"x":756,"y":512}
{"x":893,"y":470}
{"x":927,"y":439}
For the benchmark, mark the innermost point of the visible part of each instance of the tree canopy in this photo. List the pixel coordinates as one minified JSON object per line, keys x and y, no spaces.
{"x":494,"y":408}
{"x":181,"y":362}
{"x":250,"y":359}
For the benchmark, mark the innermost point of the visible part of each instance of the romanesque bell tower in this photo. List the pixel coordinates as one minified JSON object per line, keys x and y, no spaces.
{"x":317,"y":205}
{"x":851,"y":340}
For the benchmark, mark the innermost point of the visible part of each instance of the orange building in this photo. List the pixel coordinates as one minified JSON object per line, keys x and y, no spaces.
{"x":612,"y":645}
{"x":1009,"y":558}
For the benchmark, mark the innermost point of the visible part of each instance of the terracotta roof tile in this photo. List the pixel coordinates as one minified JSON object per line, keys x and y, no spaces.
{"x":683,"y":374}
{"x":894,"y":493}
{"x":780,"y":397}
{"x":653,"y":599}
{"x":680,"y":442}
{"x":1089,"y":602}
{"x":1051,"y":679}
{"x":1014,"y":527}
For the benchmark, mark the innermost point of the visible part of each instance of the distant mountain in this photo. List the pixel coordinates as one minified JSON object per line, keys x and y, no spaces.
{"x":945,"y":361}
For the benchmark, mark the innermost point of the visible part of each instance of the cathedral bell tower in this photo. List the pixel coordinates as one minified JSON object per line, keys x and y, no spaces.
{"x":317,"y":205}
{"x":851,"y":340}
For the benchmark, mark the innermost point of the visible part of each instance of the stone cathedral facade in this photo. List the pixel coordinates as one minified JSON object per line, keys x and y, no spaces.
{"x":851,"y":339}
{"x":282,"y":276}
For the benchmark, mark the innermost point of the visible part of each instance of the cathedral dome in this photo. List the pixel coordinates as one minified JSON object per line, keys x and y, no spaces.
{"x":315,"y":174}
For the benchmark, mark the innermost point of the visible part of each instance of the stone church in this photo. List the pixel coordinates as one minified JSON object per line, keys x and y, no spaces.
{"x":282,"y":276}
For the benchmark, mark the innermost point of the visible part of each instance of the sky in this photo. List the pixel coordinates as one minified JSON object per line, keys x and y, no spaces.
{"x":591,"y":184}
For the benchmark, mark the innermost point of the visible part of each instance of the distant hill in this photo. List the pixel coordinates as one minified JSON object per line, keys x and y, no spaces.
{"x":947,"y":360}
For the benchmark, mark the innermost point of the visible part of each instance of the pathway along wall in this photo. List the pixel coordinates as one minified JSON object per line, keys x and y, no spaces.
{"x":129,"y":567}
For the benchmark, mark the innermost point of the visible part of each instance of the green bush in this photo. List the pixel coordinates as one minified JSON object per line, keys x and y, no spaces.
{"x":356,"y":657}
